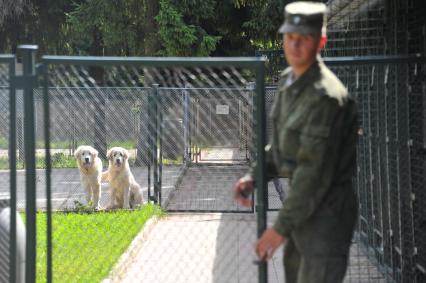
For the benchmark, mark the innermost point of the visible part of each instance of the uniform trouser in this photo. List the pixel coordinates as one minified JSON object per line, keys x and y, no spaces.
{"x":312,"y":269}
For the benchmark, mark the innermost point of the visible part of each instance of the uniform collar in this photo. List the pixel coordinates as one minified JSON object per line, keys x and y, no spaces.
{"x":306,"y":78}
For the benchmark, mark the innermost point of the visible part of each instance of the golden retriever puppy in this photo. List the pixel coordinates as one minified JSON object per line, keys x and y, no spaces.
{"x":125,"y":191}
{"x":90,"y":166}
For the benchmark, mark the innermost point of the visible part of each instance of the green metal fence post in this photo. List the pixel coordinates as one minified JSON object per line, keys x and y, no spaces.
{"x":261,"y":186}
{"x":160,"y":143}
{"x":155,"y":141}
{"x":28,"y":82}
{"x":44,"y":70}
{"x":150,"y":143}
{"x":186,"y":132}
{"x":12,"y":164}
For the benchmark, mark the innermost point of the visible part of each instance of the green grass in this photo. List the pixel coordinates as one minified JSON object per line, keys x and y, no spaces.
{"x":4,"y":143}
{"x":87,"y":245}
{"x":59,"y":160}
{"x":67,"y":144}
{"x":124,"y":144}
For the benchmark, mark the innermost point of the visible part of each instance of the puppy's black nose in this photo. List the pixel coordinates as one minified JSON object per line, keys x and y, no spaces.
{"x":86,"y":159}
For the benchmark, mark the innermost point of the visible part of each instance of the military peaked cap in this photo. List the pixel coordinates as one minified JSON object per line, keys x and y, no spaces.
{"x":304,"y":17}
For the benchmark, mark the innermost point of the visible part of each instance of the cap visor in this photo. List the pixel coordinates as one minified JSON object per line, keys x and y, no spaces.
{"x":297,"y":29}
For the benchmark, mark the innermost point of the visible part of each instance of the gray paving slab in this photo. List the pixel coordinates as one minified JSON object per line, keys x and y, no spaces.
{"x":195,"y":248}
{"x":213,"y":247}
{"x":207,"y":188}
{"x":66,"y":187}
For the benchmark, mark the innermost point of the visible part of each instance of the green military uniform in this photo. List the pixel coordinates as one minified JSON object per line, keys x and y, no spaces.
{"x":314,"y":144}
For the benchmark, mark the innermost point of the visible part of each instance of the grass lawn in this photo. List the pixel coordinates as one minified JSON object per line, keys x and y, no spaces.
{"x":87,"y":245}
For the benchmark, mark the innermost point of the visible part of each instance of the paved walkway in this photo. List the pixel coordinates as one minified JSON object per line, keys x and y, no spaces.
{"x":216,"y":248}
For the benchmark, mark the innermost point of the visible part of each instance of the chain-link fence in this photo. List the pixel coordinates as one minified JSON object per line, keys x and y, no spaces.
{"x":367,"y":47}
{"x":390,"y":93}
{"x":391,"y":166}
{"x":179,"y":133}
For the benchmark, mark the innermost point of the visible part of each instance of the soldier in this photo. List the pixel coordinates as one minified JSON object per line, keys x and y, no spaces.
{"x":313,"y":144}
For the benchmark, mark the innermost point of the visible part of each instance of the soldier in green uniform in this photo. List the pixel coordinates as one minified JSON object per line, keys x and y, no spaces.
{"x":314,"y":145}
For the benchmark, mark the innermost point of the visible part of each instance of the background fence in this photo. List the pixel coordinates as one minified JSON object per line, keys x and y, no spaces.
{"x":200,"y":126}
{"x":200,"y":155}
{"x":377,"y":49}
{"x":188,"y":126}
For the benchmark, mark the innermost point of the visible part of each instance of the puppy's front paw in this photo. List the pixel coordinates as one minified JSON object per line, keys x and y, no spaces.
{"x":98,"y":207}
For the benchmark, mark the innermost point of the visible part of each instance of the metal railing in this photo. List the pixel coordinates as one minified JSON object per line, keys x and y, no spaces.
{"x":131,"y":102}
{"x":390,"y":181}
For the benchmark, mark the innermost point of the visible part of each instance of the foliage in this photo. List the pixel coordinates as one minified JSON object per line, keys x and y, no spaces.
{"x":117,"y":22}
{"x":86,"y":245}
{"x":143,"y":27}
{"x":266,"y":16}
{"x":39,"y":22}
{"x":11,"y":8}
{"x":186,"y":38}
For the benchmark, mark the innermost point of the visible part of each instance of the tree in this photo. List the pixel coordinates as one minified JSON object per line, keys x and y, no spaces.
{"x":181,"y":30}
{"x":37,"y":22}
{"x":265,"y":18}
{"x":11,"y":9}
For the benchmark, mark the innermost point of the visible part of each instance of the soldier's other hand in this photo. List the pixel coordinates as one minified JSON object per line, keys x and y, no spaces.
{"x":242,"y":190}
{"x":268,"y":244}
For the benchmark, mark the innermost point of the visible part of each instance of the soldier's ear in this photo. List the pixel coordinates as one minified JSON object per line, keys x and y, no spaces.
{"x":323,"y":41}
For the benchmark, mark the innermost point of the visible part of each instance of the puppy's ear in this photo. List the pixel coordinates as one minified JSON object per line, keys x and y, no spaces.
{"x":109,"y":154}
{"x":95,"y":153}
{"x":77,"y":152}
{"x":126,"y":153}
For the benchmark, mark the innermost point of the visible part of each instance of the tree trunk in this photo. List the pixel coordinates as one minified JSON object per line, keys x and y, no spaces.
{"x":152,"y":43}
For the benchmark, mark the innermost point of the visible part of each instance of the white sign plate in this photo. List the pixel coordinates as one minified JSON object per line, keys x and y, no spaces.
{"x":222,"y":109}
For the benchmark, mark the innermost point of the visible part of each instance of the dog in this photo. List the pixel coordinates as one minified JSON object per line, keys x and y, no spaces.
{"x":90,"y":166}
{"x":125,"y":191}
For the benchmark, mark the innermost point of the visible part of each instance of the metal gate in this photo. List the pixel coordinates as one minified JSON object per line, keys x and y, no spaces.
{"x":107,"y":102}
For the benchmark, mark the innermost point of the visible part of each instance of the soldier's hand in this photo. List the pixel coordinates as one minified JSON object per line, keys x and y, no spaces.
{"x":242,"y":190}
{"x":268,"y":244}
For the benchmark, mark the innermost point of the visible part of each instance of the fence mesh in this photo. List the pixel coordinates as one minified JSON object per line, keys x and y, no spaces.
{"x":5,"y":180}
{"x":187,"y":134}
{"x":391,"y":100}
{"x":389,"y":243}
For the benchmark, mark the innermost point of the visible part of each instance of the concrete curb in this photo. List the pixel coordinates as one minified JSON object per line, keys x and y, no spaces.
{"x":126,"y":259}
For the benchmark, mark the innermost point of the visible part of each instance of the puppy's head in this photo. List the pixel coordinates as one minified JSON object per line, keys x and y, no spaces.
{"x":85,"y":156}
{"x":117,"y":156}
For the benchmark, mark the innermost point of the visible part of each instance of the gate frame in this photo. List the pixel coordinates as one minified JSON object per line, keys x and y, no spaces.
{"x":254,"y":63}
{"x":9,"y":60}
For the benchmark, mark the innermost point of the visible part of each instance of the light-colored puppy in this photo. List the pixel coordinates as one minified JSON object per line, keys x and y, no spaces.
{"x":90,"y":166}
{"x":125,"y":191}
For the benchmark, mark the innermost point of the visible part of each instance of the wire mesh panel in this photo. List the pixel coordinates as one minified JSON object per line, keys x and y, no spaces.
{"x":389,"y":165}
{"x":4,"y":128}
{"x":355,"y":28}
{"x":172,"y":136}
{"x":5,"y":170}
{"x":207,"y":128}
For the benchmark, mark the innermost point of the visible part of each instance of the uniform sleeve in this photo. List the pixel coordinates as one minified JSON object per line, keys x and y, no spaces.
{"x":316,"y":162}
{"x":271,"y":169}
